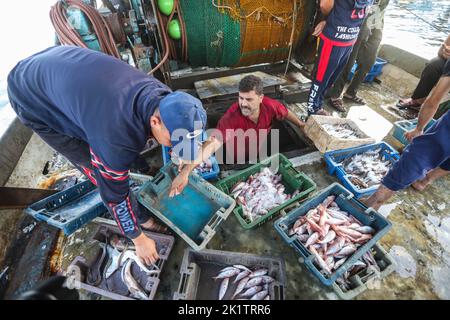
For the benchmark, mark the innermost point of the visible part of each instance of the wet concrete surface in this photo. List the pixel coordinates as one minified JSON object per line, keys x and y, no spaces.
{"x":418,"y":241}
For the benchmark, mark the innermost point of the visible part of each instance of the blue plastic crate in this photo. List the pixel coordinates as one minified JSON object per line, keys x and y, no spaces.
{"x":211,"y":175}
{"x":195,"y":214}
{"x":376,"y":70}
{"x":334,"y":159}
{"x":347,"y":202}
{"x":70,"y":209}
{"x":403,"y":126}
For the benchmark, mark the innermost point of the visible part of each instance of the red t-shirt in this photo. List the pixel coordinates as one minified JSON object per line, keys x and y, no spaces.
{"x":233,"y":119}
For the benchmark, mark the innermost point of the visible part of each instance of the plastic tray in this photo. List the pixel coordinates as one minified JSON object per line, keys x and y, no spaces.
{"x":347,"y":202}
{"x":195,"y":214}
{"x":74,"y":207}
{"x":198,"y":268}
{"x":365,"y":279}
{"x":334,"y":161}
{"x":292,"y":180}
{"x":403,"y":126}
{"x":70,"y":209}
{"x":376,"y":70}
{"x":80,"y":266}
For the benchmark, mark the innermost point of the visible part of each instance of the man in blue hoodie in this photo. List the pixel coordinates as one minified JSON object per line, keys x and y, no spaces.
{"x":99,"y":112}
{"x":338,"y":33}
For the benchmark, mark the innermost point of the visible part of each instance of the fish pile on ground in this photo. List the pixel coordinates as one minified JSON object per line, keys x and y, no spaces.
{"x":366,"y":169}
{"x":204,"y":167}
{"x":253,"y":285}
{"x":330,"y":234}
{"x":343,"y":131}
{"x":261,"y":193}
{"x":121,"y":256}
{"x":366,"y":262}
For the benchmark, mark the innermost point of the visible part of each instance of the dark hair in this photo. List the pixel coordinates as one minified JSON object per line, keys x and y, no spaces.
{"x":251,"y":82}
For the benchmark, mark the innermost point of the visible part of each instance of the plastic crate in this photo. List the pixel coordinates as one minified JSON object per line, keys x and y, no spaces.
{"x":376,"y":70}
{"x":198,"y":268}
{"x":403,"y":126}
{"x":195,"y":214}
{"x":324,"y":141}
{"x":347,"y":202}
{"x":366,"y":279}
{"x":334,"y":161}
{"x":74,"y":207}
{"x":291,"y":179}
{"x":69,"y":209}
{"x":80,"y":265}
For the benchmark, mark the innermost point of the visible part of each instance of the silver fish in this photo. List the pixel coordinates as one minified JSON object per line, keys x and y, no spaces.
{"x":223,"y":288}
{"x":366,"y":230}
{"x":260,"y":295}
{"x":339,"y":263}
{"x":258,"y":273}
{"x":319,"y":260}
{"x":241,"y":276}
{"x":329,"y":237}
{"x":239,"y":266}
{"x":312,"y":239}
{"x":346,"y":251}
{"x":267,"y":297}
{"x":303,"y":237}
{"x":227,"y":274}
{"x":133,"y":286}
{"x":251,"y":291}
{"x":267,"y":279}
{"x":241,"y":285}
{"x":253,"y":282}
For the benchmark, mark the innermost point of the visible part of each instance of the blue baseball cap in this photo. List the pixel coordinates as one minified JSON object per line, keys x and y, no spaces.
{"x":185,"y":118}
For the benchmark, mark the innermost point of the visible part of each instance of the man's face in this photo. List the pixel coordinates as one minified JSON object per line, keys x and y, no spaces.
{"x":249,"y":102}
{"x":159,"y":131}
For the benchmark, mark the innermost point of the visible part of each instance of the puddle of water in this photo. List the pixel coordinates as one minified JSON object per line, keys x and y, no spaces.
{"x":405,"y":264}
{"x":385,"y":210}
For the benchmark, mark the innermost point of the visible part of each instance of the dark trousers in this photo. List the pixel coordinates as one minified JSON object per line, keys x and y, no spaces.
{"x":429,"y":78}
{"x":333,"y":57}
{"x":365,"y":54}
{"x":424,"y":153}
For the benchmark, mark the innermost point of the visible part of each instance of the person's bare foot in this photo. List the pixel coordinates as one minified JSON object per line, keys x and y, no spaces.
{"x":420,"y":185}
{"x":322,"y":112}
{"x":152,"y":225}
{"x":379,"y":197}
{"x":431,"y":176}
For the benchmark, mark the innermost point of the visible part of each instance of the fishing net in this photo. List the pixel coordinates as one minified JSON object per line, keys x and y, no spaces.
{"x":242,"y":32}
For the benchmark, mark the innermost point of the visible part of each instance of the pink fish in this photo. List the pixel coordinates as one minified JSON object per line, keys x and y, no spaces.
{"x":328,"y":200}
{"x":329,"y":237}
{"x":323,"y":215}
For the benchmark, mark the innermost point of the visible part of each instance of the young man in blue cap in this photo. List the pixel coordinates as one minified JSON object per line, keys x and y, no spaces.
{"x":99,"y":112}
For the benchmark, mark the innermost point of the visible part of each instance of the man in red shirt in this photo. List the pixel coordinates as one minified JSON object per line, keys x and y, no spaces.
{"x":246,"y":124}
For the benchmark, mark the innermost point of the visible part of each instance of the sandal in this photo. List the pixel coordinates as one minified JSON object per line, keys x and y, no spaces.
{"x":408,"y":103}
{"x":154,"y":226}
{"x":338,"y":104}
{"x":355,"y":99}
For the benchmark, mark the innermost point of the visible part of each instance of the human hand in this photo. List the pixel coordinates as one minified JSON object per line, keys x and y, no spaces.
{"x":319,"y":28}
{"x":410,"y":135}
{"x":178,"y":184}
{"x":146,"y":249}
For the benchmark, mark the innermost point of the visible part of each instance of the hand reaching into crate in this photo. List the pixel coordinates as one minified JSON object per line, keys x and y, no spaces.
{"x":146,"y":249}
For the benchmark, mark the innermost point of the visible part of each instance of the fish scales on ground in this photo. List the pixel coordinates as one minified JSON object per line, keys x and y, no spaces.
{"x":335,"y":236}
{"x":343,"y":131}
{"x":252,"y":282}
{"x":261,"y":193}
{"x":366,"y":169}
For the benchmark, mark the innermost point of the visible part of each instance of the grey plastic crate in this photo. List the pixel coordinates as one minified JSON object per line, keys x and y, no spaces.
{"x":198,"y":268}
{"x":80,"y":265}
{"x":365,"y":279}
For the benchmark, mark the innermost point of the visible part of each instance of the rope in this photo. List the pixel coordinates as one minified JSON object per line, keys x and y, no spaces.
{"x":67,"y":34}
{"x":257,"y":10}
{"x":294,"y":18}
